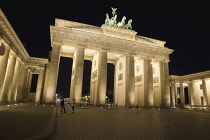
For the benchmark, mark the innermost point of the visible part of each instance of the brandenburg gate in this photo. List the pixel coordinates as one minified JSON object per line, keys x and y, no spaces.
{"x":141,"y":76}
{"x":141,"y":64}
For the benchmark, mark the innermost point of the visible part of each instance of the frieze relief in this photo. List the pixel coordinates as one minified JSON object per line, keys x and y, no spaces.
{"x":120,"y":77}
{"x":94,"y":75}
{"x":138,"y":78}
{"x":155,"y":80}
{"x":118,"y":32}
{"x":132,"y":47}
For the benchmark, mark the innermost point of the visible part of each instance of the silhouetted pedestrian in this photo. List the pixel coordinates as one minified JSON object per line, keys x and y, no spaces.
{"x":73,"y":106}
{"x":62,"y":106}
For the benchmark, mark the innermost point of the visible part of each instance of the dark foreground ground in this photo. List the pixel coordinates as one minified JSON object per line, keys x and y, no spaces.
{"x":26,"y":121}
{"x":38,"y":122}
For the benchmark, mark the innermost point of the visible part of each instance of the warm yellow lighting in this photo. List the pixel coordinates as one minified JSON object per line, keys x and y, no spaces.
{"x":15,"y":104}
{"x":8,"y":105}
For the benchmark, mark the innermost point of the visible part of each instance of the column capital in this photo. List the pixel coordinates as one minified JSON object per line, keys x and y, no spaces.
{"x":146,"y":58}
{"x":165,"y":60}
{"x":56,"y":44}
{"x":80,"y":47}
{"x":102,"y":50}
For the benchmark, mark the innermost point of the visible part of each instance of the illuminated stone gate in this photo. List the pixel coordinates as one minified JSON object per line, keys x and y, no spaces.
{"x":141,"y":64}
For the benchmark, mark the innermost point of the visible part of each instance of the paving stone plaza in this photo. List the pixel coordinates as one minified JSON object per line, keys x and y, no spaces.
{"x":94,"y":123}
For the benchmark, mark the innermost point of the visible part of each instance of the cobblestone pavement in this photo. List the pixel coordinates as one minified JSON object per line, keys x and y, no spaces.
{"x":132,"y":124}
{"x":23,"y":121}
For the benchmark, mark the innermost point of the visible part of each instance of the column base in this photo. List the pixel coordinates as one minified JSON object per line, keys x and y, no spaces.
{"x":49,"y":103}
{"x":4,"y":102}
{"x":37,"y":102}
{"x":101,"y":105}
{"x":12,"y":102}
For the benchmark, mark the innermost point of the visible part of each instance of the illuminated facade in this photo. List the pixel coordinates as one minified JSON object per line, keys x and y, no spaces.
{"x":192,"y":89}
{"x":141,"y":65}
{"x":17,"y":67}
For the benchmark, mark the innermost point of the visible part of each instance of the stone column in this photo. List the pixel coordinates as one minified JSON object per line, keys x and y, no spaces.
{"x":21,"y":84}
{"x":165,"y":87}
{"x":53,"y":74}
{"x":25,"y":85}
{"x":173,"y":91}
{"x":205,"y":97}
{"x":191,"y":93}
{"x":27,"y":97}
{"x":130,"y":81}
{"x":45,"y":81}
{"x":13,"y":89}
{"x":99,"y":78}
{"x":9,"y":78}
{"x":102,"y":77}
{"x":148,"y":83}
{"x":3,"y":68}
{"x":176,"y":95}
{"x":77,"y":75}
{"x":182,"y":95}
{"x":40,"y":83}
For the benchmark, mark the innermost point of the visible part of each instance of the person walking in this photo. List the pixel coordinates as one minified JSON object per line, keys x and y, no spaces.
{"x":73,"y":106}
{"x":62,"y":106}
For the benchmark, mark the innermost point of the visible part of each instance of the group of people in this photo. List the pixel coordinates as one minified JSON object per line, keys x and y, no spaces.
{"x":63,"y":109}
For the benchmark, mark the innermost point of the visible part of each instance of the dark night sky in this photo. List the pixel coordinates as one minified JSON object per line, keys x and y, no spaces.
{"x":183,"y":25}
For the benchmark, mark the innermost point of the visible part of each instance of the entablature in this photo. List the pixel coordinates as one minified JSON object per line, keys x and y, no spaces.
{"x":10,"y":38}
{"x":36,"y":62}
{"x":190,"y":77}
{"x":75,"y":37}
